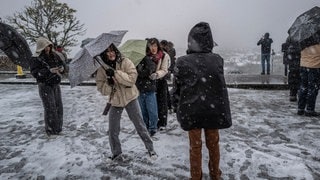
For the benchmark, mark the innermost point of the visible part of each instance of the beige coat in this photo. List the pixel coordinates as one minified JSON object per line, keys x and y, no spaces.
{"x":163,"y":65}
{"x":310,"y":57}
{"x":125,"y":79}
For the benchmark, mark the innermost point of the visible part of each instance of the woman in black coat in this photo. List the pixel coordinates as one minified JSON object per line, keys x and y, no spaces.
{"x":47,"y":68}
{"x":201,"y":98}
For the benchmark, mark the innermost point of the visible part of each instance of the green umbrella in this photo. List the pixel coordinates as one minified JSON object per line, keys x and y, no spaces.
{"x":134,"y":49}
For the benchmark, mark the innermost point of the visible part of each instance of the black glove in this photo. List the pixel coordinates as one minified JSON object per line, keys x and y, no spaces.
{"x":110,"y":81}
{"x":110,"y":72}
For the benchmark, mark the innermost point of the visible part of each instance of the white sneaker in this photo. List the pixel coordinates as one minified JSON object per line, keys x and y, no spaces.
{"x":153,"y":155}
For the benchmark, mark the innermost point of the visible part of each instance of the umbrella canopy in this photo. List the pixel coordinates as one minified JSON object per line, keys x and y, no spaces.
{"x":83,"y":65}
{"x":14,"y":46}
{"x":306,"y":25}
{"x":134,"y":49}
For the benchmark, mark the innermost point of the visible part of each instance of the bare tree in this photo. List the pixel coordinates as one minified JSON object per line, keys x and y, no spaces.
{"x":50,"y":19}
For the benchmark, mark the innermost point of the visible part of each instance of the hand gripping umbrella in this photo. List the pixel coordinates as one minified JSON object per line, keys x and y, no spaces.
{"x":14,"y":46}
{"x":84,"y":62}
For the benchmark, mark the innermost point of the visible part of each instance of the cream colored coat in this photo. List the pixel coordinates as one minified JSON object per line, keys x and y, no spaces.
{"x":125,"y":79}
{"x":163,"y":66}
{"x":310,"y":57}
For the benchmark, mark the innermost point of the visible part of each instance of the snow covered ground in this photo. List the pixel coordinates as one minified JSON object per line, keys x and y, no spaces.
{"x":267,"y":140}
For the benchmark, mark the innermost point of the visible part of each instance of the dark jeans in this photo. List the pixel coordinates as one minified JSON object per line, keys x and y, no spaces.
{"x":53,"y":108}
{"x":162,"y":101}
{"x":265,"y":58}
{"x":309,"y":87}
{"x":149,"y":109}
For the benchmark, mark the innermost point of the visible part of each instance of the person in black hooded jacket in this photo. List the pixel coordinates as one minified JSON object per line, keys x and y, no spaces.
{"x":201,"y":98}
{"x":47,"y":67}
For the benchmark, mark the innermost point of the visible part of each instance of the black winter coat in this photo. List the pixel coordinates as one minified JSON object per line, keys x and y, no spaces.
{"x":200,"y":93}
{"x":40,"y":68}
{"x":145,"y":68}
{"x":265,"y":45}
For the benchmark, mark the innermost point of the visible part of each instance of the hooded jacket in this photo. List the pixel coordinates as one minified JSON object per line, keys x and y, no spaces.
{"x":125,"y":90}
{"x":41,"y":64}
{"x":200,"y":93}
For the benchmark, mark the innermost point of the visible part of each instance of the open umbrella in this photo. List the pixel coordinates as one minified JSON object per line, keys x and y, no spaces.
{"x":85,"y":63}
{"x":14,"y":46}
{"x":306,"y":26}
{"x":134,"y":49}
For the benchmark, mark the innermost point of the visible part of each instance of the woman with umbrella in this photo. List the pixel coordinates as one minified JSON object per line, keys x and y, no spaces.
{"x":47,"y":67}
{"x":118,"y":82}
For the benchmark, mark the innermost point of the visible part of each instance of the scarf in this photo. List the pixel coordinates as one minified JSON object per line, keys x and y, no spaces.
{"x":157,"y":57}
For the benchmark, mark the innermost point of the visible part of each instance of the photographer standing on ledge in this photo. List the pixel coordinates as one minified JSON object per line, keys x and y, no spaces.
{"x":265,"y":43}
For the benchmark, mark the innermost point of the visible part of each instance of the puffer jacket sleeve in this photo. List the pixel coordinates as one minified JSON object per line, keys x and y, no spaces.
{"x":102,"y":85}
{"x":164,"y":66}
{"x":127,"y":74}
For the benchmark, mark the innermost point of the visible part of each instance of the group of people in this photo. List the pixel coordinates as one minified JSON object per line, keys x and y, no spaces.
{"x":199,"y":95}
{"x":303,"y":61}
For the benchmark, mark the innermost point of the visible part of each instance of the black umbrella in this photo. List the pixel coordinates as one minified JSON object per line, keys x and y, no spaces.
{"x":14,"y":45}
{"x":306,"y":28}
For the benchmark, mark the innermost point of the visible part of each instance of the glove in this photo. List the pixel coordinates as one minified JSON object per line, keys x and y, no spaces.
{"x":110,"y":72}
{"x":153,"y":76}
{"x":54,"y":70}
{"x":61,"y":69}
{"x":110,"y":81}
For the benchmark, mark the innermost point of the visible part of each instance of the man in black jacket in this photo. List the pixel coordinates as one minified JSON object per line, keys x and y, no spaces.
{"x":265,"y":43}
{"x":201,"y":98}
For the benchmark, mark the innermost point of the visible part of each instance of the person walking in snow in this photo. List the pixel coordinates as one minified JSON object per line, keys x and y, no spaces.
{"x":47,"y":67}
{"x":201,"y":98}
{"x":265,"y":43}
{"x":118,"y":82}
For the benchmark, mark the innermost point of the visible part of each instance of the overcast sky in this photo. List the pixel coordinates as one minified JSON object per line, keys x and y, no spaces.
{"x":234,"y":23}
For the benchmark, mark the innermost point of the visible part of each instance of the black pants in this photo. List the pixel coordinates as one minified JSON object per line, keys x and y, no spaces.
{"x":162,"y":101}
{"x":53,"y":109}
{"x":294,"y":79}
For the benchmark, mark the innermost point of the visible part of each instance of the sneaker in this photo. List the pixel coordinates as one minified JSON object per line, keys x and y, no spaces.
{"x":311,"y":113}
{"x":115,"y":157}
{"x":293,"y":98}
{"x":152,"y":133}
{"x":162,"y":128}
{"x":300,"y":112}
{"x":153,"y":155}
{"x":262,"y":73}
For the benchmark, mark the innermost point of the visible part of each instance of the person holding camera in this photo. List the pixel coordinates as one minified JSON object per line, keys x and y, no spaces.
{"x":265,"y":43}
{"x":47,"y":68}
{"x":118,"y":82}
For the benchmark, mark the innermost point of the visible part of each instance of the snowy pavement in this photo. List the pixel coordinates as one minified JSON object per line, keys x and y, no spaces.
{"x":267,"y":140}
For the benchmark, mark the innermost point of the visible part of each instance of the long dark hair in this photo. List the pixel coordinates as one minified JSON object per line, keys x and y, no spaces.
{"x":104,"y":56}
{"x":151,"y":41}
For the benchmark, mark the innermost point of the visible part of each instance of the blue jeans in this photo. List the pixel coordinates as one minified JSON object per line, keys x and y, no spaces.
{"x":265,"y":58}
{"x":309,"y":87}
{"x":149,"y":108}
